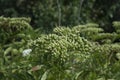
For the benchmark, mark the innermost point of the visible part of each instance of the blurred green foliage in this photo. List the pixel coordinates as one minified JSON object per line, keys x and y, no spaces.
{"x":45,"y":14}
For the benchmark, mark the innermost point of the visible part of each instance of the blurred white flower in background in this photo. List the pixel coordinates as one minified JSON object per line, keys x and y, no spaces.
{"x":26,"y":52}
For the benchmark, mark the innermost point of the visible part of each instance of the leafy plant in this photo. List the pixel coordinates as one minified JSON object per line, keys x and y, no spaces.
{"x":66,"y":53}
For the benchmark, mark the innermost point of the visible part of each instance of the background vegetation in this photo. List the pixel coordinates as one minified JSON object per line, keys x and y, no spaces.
{"x":37,"y":44}
{"x":50,"y":13}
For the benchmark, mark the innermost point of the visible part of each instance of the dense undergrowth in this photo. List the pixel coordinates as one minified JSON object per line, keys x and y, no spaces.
{"x":83,"y":52}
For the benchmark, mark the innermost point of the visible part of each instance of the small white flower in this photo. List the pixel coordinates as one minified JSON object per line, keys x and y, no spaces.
{"x":26,"y":52}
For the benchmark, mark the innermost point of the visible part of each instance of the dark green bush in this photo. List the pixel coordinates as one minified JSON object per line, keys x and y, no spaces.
{"x":46,"y":14}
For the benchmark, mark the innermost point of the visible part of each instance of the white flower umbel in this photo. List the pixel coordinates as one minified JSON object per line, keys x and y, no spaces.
{"x":26,"y":52}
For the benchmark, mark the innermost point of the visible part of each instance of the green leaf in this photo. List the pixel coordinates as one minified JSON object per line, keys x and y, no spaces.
{"x":78,"y":74}
{"x":44,"y":76}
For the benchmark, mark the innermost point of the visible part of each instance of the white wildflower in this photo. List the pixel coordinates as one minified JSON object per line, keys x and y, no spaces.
{"x":26,"y":52}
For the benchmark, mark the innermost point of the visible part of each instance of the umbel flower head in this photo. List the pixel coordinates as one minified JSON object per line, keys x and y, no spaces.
{"x":26,"y":52}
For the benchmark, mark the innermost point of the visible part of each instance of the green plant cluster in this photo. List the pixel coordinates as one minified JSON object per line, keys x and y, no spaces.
{"x":109,"y":42}
{"x":14,"y":33}
{"x":95,"y":33}
{"x":64,"y":50}
{"x":59,"y":51}
{"x":83,"y":52}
